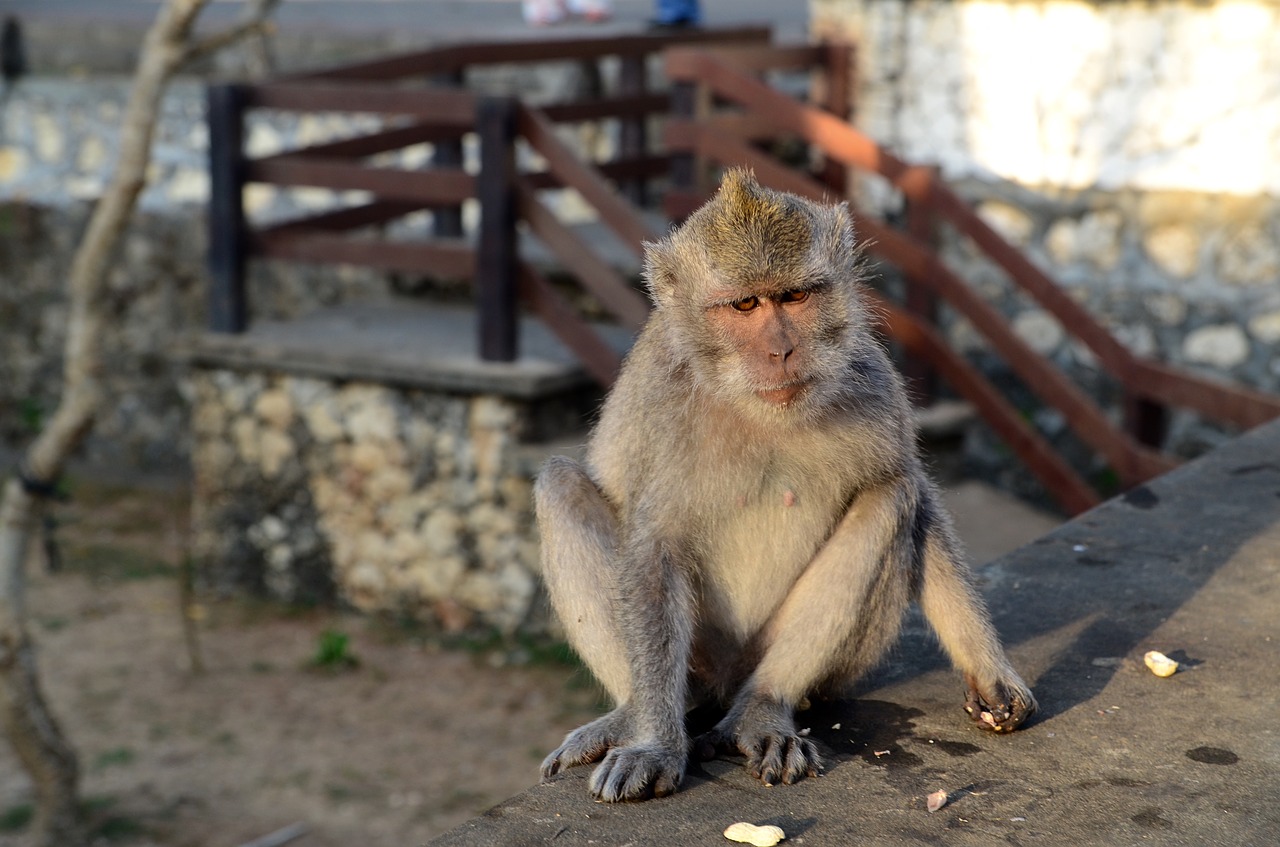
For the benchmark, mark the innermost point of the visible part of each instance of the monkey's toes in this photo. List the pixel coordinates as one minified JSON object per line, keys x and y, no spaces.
{"x":784,"y":758}
{"x":713,"y":743}
{"x":1002,"y":708}
{"x":637,"y":773}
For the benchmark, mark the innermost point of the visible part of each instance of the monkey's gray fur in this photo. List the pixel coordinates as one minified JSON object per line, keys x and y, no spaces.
{"x":753,"y":517}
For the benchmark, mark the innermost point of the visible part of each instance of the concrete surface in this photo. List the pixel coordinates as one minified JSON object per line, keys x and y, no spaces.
{"x":1189,"y":564}
{"x":425,"y":345}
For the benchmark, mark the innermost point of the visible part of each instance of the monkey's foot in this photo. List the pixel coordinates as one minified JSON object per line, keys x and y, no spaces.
{"x":766,"y":734}
{"x":638,"y":773}
{"x":589,"y":742}
{"x":1001,"y":706}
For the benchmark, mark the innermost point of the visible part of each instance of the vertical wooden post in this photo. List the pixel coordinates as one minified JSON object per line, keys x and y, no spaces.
{"x":837,"y":98}
{"x":496,"y":286}
{"x":228,"y":245}
{"x":684,"y":106}
{"x":1145,"y":419}
{"x":632,"y":141}
{"x":446,"y":221}
{"x":918,"y":189}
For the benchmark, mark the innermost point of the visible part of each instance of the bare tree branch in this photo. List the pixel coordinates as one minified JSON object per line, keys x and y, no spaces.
{"x":24,"y":715}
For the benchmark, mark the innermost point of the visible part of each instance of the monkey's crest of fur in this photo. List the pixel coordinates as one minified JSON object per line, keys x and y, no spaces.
{"x":753,"y":237}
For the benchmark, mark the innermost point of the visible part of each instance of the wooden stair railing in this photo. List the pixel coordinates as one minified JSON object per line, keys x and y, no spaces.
{"x":725,"y":74}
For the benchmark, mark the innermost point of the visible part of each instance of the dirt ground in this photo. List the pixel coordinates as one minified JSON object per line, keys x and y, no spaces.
{"x":412,"y":738}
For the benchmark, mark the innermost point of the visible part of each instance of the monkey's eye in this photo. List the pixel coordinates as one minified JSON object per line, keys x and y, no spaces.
{"x":746,"y":304}
{"x":793,"y":296}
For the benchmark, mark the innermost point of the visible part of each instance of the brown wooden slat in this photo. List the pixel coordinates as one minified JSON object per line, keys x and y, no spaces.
{"x":440,"y":258}
{"x":607,"y":107}
{"x":615,"y":211}
{"x":600,"y":360}
{"x":751,"y":126}
{"x":338,"y":220}
{"x":1234,"y":404}
{"x":596,"y":275}
{"x":619,"y":169}
{"x":756,"y":58}
{"x":442,"y":106}
{"x":378,"y":142}
{"x":453,"y":57}
{"x":434,"y":187}
{"x":1066,"y":487}
{"x":1131,"y":462}
{"x":1113,"y":355}
{"x":836,"y":138}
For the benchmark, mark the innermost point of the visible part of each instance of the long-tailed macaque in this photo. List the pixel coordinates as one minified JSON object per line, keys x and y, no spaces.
{"x":753,"y":517}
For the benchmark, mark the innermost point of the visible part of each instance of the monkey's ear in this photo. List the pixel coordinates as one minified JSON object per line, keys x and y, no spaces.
{"x":659,"y":272}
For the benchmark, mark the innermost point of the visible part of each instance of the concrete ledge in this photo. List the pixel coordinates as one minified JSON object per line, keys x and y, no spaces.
{"x":402,"y":343}
{"x":1189,"y":564}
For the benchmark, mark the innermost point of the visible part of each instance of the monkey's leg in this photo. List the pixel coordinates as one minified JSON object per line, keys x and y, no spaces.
{"x":843,"y":612}
{"x":579,"y":549}
{"x":995,"y":695}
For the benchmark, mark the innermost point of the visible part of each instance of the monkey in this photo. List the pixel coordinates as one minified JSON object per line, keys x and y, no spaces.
{"x":753,"y":517}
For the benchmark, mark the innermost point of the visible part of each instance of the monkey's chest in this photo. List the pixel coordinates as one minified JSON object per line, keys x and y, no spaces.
{"x":755,"y":549}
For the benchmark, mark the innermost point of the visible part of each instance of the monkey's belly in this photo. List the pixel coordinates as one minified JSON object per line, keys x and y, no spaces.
{"x":753,"y":558}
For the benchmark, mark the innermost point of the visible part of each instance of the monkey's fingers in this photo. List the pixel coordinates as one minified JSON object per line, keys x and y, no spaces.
{"x":1001,"y":707}
{"x":784,"y":758}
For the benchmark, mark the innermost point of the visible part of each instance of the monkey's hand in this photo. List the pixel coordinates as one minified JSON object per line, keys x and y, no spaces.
{"x":590,"y":742}
{"x":1000,"y":706}
{"x":765,"y":732}
{"x":639,"y":772}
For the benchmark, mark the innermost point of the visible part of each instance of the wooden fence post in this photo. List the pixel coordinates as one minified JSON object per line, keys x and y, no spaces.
{"x":632,"y":140}
{"x":495,"y":281}
{"x":228,"y":310}
{"x":684,"y":165}
{"x":918,"y":189}
{"x":838,"y":100}
{"x":446,"y":221}
{"x":1145,"y":419}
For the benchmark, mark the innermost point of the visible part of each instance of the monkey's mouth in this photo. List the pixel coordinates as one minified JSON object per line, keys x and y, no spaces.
{"x":783,"y":395}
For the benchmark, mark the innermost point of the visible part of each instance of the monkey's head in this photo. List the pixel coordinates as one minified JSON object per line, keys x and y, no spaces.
{"x":759,"y":294}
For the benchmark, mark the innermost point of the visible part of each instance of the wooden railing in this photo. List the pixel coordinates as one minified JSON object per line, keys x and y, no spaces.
{"x":705,"y":76}
{"x":420,"y":95}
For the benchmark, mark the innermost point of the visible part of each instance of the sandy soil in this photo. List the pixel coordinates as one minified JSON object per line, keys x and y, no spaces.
{"x":411,"y":741}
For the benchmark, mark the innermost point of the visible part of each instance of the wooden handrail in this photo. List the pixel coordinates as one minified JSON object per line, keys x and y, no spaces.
{"x":442,"y":105}
{"x":838,"y":140}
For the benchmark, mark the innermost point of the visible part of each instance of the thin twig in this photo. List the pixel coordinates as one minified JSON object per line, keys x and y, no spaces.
{"x":280,"y":836}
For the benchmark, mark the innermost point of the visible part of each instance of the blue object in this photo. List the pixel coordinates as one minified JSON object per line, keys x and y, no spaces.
{"x":677,"y":12}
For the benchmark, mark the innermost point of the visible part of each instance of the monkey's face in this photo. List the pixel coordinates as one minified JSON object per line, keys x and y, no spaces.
{"x":759,"y":294}
{"x":766,"y":342}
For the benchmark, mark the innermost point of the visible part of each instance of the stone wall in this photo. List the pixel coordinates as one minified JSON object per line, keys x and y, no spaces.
{"x":1132,"y":148}
{"x":391,"y":499}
